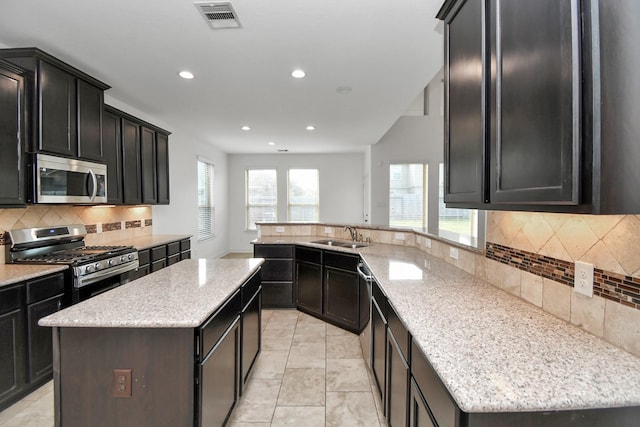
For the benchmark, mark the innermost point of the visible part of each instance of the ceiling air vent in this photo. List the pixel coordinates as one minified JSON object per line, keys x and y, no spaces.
{"x":218,"y":14}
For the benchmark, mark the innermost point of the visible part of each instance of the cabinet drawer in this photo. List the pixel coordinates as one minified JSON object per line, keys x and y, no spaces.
{"x":185,"y":245}
{"x":158,"y":265}
{"x":273,"y":251}
{"x":380,"y":298}
{"x":250,"y":287}
{"x":173,"y":259}
{"x":399,"y":331}
{"x":277,"y":270}
{"x":173,"y":248}
{"x":308,"y":255}
{"x":442,"y":406}
{"x":11,"y":298}
{"x":213,"y":329}
{"x":338,"y":260}
{"x":277,"y":295}
{"x":45,"y":287}
{"x":158,"y":253}
{"x":143,"y":257}
{"x":185,"y":255}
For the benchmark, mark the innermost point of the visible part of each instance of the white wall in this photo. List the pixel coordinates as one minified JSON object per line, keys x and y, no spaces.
{"x":181,"y":216}
{"x":341,"y":188}
{"x":412,"y":139}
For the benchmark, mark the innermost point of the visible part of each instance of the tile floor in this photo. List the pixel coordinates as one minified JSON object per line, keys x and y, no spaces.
{"x":309,"y":373}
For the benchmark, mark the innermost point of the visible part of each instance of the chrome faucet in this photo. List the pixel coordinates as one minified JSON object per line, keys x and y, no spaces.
{"x":353,"y":231}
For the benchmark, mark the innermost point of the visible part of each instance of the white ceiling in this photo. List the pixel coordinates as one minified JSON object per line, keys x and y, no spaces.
{"x":386,"y":51}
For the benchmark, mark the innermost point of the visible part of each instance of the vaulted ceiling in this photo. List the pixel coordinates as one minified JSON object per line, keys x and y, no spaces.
{"x":381,"y":53}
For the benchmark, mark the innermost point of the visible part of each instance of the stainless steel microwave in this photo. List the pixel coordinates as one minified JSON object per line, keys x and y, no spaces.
{"x":62,"y":180}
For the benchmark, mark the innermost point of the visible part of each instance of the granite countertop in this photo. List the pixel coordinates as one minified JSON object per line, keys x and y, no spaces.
{"x":146,"y":242}
{"x":183,"y":295}
{"x":495,"y":352}
{"x":14,"y":273}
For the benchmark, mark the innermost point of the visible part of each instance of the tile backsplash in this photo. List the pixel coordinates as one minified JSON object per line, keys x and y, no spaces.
{"x":104,"y":224}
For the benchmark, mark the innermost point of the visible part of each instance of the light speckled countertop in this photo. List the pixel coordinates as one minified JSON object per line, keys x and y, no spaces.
{"x":146,"y":242}
{"x":495,"y":352}
{"x":183,"y":295}
{"x":14,"y":273}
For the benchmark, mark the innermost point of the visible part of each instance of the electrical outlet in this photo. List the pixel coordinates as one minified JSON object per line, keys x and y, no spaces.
{"x":327,"y":230}
{"x":583,"y":281}
{"x":121,"y":386}
{"x":418,"y":239}
{"x":279,"y":229}
{"x":453,"y":253}
{"x":427,"y":243}
{"x":399,"y":236}
{"x":99,"y":228}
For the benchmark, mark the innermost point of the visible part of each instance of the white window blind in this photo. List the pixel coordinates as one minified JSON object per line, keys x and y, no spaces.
{"x":304,"y":195}
{"x":407,"y":195}
{"x":206,"y":209}
{"x":460,"y":221}
{"x":261,"y":196}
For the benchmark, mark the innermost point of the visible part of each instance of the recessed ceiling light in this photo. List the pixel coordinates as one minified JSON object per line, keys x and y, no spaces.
{"x":298,"y":74}
{"x":186,"y":74}
{"x":245,"y":127}
{"x":343,"y":89}
{"x":310,"y":127}
{"x":271,"y":143}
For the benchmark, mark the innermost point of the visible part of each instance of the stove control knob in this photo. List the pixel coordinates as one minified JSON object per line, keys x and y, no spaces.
{"x":89,"y":269}
{"x":123,"y":258}
{"x":110,"y":262}
{"x":130,"y":257}
{"x":98,"y":266}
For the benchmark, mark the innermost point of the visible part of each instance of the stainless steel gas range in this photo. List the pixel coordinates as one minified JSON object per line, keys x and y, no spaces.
{"x":92,"y":269}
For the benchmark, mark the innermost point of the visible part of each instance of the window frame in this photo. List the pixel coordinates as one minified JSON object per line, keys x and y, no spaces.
{"x":208,"y":232}
{"x":303,"y":205}
{"x":248,"y":205}
{"x":425,"y":196}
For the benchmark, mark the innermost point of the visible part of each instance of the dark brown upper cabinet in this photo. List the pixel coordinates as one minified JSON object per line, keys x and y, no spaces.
{"x":12,"y":133}
{"x":132,"y":188}
{"x":539,"y":107}
{"x":112,"y":146}
{"x":148,"y":159}
{"x":66,"y":105}
{"x":162,"y":167}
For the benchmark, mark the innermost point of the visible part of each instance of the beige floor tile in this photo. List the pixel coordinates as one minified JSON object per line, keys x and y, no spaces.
{"x":258,"y":402}
{"x":302,"y":387}
{"x":307,"y":355}
{"x":274,"y":339}
{"x":347,"y":375}
{"x":241,"y":424}
{"x":343,"y":347}
{"x":351,"y":409}
{"x":307,"y":416}
{"x":14,"y":410}
{"x":334,"y":330}
{"x":270,"y":365}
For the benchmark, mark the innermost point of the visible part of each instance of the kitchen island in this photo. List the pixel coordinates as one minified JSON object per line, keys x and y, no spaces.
{"x":491,"y":359}
{"x":170,"y":349}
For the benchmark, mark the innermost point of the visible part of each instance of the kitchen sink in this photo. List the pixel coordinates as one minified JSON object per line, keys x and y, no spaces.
{"x":340,"y":243}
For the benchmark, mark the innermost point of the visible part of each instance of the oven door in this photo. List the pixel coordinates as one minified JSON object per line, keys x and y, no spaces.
{"x":100,"y":282}
{"x":61,"y":180}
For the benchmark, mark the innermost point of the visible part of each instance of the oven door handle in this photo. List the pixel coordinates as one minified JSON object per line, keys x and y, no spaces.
{"x":101,"y":274}
{"x":95,"y":184}
{"x":362,"y":274}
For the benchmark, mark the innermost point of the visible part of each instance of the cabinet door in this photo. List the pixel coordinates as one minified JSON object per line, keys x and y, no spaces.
{"x":11,"y":138}
{"x":251,"y":335}
{"x":378,"y":349}
{"x":309,"y":286}
{"x":56,"y":111}
{"x":90,"y":106}
{"x":535,"y":102}
{"x":162,"y":167}
{"x":465,"y":105}
{"x":148,"y":165}
{"x":12,"y":354}
{"x":39,"y":338}
{"x":132,"y":191}
{"x":341,"y":296}
{"x":397,"y":384}
{"x":219,"y":380}
{"x":419,"y":415}
{"x":112,"y":144}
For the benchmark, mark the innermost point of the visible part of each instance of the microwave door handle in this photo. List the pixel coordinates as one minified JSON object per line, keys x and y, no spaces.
{"x":95,"y":184}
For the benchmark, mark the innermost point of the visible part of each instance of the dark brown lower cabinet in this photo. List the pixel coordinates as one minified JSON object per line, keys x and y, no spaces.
{"x":251,"y":327}
{"x":218,"y":378}
{"x":40,"y":342}
{"x":12,"y":355}
{"x":418,"y":410}
{"x":308,"y":279}
{"x":277,"y":275}
{"x":397,"y":382}
{"x":379,"y":344}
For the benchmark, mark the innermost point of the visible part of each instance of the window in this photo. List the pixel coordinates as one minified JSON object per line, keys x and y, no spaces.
{"x":407,"y":195}
{"x":262,"y":197}
{"x":304,"y":195}
{"x":206,"y":210}
{"x":462,"y":222}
